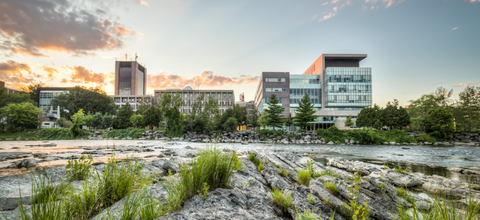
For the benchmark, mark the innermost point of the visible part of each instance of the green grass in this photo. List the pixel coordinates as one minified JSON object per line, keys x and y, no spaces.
{"x":258,"y":163}
{"x":31,"y":135}
{"x":325,"y":173}
{"x":404,"y":194}
{"x":368,"y":136}
{"x":303,"y":177}
{"x":310,"y":199}
{"x":476,"y":188}
{"x":283,"y":172}
{"x":331,"y":188}
{"x":400,"y":170}
{"x":281,"y":199}
{"x":124,"y":133}
{"x":237,"y":163}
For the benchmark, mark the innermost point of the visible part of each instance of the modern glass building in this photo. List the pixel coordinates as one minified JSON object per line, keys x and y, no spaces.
{"x":348,"y":87}
{"x":301,"y":84}
{"x":130,"y":78}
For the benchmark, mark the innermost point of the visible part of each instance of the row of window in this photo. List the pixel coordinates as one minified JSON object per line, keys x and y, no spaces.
{"x":349,"y":98}
{"x":274,"y":79}
{"x":304,"y":81}
{"x":349,"y":78}
{"x":301,"y":92}
{"x":297,"y":101}
{"x":267,"y":100}
{"x":349,"y":88}
{"x":275,"y":89}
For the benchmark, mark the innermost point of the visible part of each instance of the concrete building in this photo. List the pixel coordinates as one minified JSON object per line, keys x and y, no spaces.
{"x":337,"y":85}
{"x":50,"y":113}
{"x":130,"y":78}
{"x":277,"y":83}
{"x":8,"y":90}
{"x":133,"y":100}
{"x":226,"y":98}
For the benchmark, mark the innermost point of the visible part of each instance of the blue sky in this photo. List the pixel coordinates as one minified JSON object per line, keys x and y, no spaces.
{"x":412,"y":46}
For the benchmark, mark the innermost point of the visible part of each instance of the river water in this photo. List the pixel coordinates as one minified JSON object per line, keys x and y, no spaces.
{"x":424,"y":159}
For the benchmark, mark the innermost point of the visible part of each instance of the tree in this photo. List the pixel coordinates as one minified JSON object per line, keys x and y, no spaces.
{"x":230,"y":125}
{"x":152,"y":116}
{"x":175,"y":120}
{"x":304,"y":113}
{"x":15,"y":98}
{"x":78,"y":119}
{"x":136,"y":120}
{"x":88,"y":121}
{"x":63,"y":123}
{"x":253,"y":118}
{"x":141,"y":109}
{"x":439,"y":123}
{"x":32,"y":91}
{"x":273,"y":112}
{"x":211,"y":112}
{"x":22,"y":116}
{"x":123,"y":116}
{"x":402,"y":118}
{"x":107,"y":121}
{"x":263,"y":120}
{"x":349,"y":122}
{"x":369,"y":116}
{"x":240,"y":113}
{"x":90,"y":100}
{"x":467,"y":114}
{"x":97,"y":120}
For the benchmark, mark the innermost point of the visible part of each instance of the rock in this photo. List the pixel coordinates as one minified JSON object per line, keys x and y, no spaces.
{"x":307,"y":138}
{"x":405,"y":148}
{"x":28,"y":163}
{"x":392,"y":143}
{"x":397,"y":154}
{"x":402,"y":180}
{"x":427,"y":143}
{"x":330,"y":143}
{"x":455,"y":169}
{"x":166,"y":165}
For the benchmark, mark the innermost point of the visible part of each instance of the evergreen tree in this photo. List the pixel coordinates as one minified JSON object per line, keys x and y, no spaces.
{"x":349,"y":121}
{"x":253,"y":118}
{"x":263,"y":119}
{"x":273,"y":111}
{"x":304,"y":113}
{"x":123,"y":116}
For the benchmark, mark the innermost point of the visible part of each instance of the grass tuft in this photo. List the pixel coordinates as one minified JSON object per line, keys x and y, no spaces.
{"x":303,"y":177}
{"x":283,"y":172}
{"x":400,"y":170}
{"x":310,"y":199}
{"x":281,"y":199}
{"x":330,"y":186}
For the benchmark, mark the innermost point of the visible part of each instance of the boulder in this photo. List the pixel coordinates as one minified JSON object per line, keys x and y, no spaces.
{"x":402,"y":180}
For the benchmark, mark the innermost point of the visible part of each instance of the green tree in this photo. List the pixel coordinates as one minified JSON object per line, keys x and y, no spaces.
{"x":274,"y":109}
{"x":141,"y":109}
{"x":90,"y":100}
{"x":122,"y":118}
{"x":107,"y":121}
{"x":136,"y":120}
{"x":32,"y":91}
{"x":467,"y":114}
{"x":230,"y":125}
{"x":97,"y":120}
{"x":304,"y":113}
{"x":78,"y":120}
{"x":369,"y":116}
{"x":88,"y":120}
{"x":22,"y":116}
{"x":349,"y":122}
{"x":253,"y":118}
{"x":195,"y":121}
{"x":402,"y":118}
{"x":152,"y":117}
{"x":211,"y":112}
{"x":14,"y":98}
{"x":175,"y":120}
{"x":439,"y":123}
{"x":263,"y":120}
{"x":240,"y":114}
{"x":62,"y":122}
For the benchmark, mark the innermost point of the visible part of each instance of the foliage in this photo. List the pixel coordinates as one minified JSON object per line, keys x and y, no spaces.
{"x":79,"y":169}
{"x":211,"y":167}
{"x":230,"y":125}
{"x":32,"y":91}
{"x":267,"y":132}
{"x":63,"y":123}
{"x":303,"y":177}
{"x":370,"y":117}
{"x":304,"y":113}
{"x":204,"y":192}
{"x":152,"y":116}
{"x":97,"y":120}
{"x":78,"y":119}
{"x":467,"y":114}
{"x":136,"y":120}
{"x":170,"y":105}
{"x":418,"y":109}
{"x":237,"y":162}
{"x":263,"y":120}
{"x":310,"y":199}
{"x":107,"y":121}
{"x":122,"y":119}
{"x":283,"y":172}
{"x":392,"y":116}
{"x":330,"y":186}
{"x":306,"y":215}
{"x":253,"y":118}
{"x":258,"y":163}
{"x":358,"y":211}
{"x":349,"y":122}
{"x":439,"y":123}
{"x":15,"y":98}
{"x":260,"y":166}
{"x":273,"y":111}
{"x":22,"y":116}
{"x":281,"y":199}
{"x":331,"y":134}
{"x":90,"y":100}
{"x":59,"y":133}
{"x":124,"y":133}
{"x":368,"y":136}
{"x":326,"y":173}
{"x":400,"y":170}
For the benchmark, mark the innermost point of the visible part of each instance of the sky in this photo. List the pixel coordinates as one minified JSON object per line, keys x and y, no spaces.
{"x":413,"y":46}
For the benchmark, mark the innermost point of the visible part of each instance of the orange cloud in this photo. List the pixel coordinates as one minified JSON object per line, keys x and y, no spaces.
{"x":50,"y":71}
{"x":464,"y":84}
{"x":17,"y":75}
{"x":83,"y":75}
{"x":64,"y":80}
{"x":206,"y":78}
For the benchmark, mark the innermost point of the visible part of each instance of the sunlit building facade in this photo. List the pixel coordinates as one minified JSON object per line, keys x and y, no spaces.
{"x":130,"y":78}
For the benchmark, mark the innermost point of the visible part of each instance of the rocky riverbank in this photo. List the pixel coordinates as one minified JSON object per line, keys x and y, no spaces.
{"x":249,"y":194}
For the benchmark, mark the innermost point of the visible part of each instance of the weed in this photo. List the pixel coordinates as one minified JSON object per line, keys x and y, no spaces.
{"x":400,"y":170}
{"x":283,"y":172}
{"x":359,"y":211}
{"x":476,"y":188}
{"x":303,"y":177}
{"x":245,"y":185}
{"x":281,"y":199}
{"x":260,"y":166}
{"x":204,"y":193}
{"x":310,"y":199}
{"x":326,"y":173}
{"x":237,"y":163}
{"x":307,"y":215}
{"x":330,"y":186}
{"x":404,"y":194}
{"x":328,"y":202}
{"x":79,"y":169}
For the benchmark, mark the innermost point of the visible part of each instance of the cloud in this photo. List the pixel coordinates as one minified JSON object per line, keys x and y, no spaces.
{"x":338,"y":5}
{"x":64,"y":80}
{"x":325,"y":17}
{"x":206,"y":78}
{"x":455,"y":28}
{"x":16,"y":75}
{"x":33,"y":27}
{"x":325,"y":3}
{"x":83,"y":75}
{"x":50,"y":71}
{"x":464,"y":84}
{"x":472,"y":1}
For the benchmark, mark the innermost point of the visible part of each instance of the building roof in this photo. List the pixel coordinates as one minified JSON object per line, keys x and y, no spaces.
{"x":358,"y":57}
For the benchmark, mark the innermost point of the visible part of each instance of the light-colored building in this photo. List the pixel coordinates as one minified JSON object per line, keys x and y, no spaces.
{"x":133,"y":100}
{"x":226,"y":98}
{"x":130,"y":78}
{"x":50,"y":113}
{"x":8,"y":90}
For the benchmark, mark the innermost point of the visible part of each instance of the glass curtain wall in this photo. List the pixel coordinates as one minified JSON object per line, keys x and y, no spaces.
{"x":348,"y":86}
{"x":301,"y":84}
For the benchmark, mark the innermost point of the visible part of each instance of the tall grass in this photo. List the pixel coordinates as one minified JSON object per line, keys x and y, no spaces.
{"x":303,"y":177}
{"x":212,"y":167}
{"x":330,"y":186}
{"x":282,"y":199}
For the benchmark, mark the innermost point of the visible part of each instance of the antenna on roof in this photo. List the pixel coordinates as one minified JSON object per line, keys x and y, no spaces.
{"x":136,"y":56}
{"x":126,"y":56}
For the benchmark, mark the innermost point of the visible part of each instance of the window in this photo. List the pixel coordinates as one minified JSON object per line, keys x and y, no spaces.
{"x":275,"y":89}
{"x":267,"y":100}
{"x":274,"y":79}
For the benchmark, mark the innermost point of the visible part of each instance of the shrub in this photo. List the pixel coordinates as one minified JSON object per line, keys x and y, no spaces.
{"x":330,"y":186}
{"x":59,"y":133}
{"x":303,"y":177}
{"x":310,"y":199}
{"x":281,"y":199}
{"x":251,"y":157}
{"x":267,"y":132}
{"x":283,"y":172}
{"x":425,"y":138}
{"x":124,"y":133}
{"x":79,"y":169}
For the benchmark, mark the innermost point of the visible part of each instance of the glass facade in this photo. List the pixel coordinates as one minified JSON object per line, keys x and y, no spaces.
{"x":348,"y":86}
{"x":301,"y":84}
{"x":274,"y":79}
{"x":46,"y":98}
{"x":125,"y":79}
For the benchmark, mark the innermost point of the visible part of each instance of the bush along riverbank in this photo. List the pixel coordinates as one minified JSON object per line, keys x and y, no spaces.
{"x":224,"y":184}
{"x":331,"y":136}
